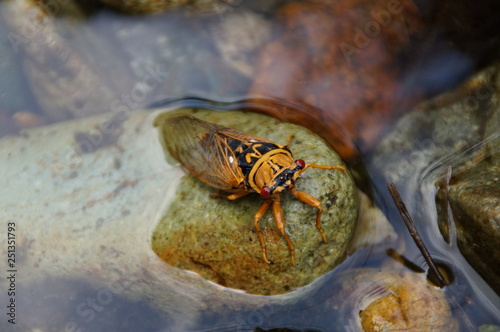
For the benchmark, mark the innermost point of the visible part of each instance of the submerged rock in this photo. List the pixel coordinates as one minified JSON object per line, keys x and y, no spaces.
{"x":401,"y":301}
{"x":327,"y":55}
{"x":475,"y":202}
{"x":68,"y":78}
{"x":72,"y":59}
{"x":215,"y":237}
{"x":458,"y":129}
{"x":239,"y":38}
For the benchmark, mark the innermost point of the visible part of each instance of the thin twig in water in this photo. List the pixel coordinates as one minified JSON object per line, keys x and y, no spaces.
{"x":439,"y":280}
{"x":452,"y":232}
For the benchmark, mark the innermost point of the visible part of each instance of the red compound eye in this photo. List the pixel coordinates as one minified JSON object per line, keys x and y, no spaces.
{"x":301,"y":163}
{"x":265,"y":192}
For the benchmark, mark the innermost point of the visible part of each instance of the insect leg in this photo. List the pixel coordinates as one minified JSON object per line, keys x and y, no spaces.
{"x":256,"y":218}
{"x":280,"y":223}
{"x":232,"y":197}
{"x":308,"y":199}
{"x":325,"y":167}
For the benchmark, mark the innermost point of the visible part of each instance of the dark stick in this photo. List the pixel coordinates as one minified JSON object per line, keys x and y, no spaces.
{"x":440,"y":281}
{"x":447,"y":219}
{"x":452,"y":232}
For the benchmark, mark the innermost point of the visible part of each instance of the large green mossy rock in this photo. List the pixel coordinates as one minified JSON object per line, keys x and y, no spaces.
{"x":216,"y":238}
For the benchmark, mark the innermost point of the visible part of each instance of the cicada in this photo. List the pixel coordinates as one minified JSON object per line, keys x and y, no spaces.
{"x":239,"y":164}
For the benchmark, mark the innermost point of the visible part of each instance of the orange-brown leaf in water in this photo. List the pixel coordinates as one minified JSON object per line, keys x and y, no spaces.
{"x":358,"y":91}
{"x":409,"y":303}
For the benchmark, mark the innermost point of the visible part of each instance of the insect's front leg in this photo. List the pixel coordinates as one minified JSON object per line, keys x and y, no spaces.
{"x":342,"y":168}
{"x":258,"y":215}
{"x":280,"y":223}
{"x":308,"y":199}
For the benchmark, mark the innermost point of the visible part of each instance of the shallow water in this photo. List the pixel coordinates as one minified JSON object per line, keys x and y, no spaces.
{"x":124,"y":53}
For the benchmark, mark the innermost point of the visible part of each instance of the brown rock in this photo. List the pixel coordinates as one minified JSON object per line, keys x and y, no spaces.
{"x":338,"y":57}
{"x":405,"y":302}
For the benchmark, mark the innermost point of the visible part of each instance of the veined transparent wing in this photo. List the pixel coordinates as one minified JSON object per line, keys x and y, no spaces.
{"x":205,"y":149}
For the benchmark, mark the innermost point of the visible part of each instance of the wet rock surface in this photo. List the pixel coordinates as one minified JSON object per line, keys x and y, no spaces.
{"x":239,"y":38}
{"x":403,"y":301}
{"x":69,"y":78}
{"x":215,"y":237}
{"x":475,"y":202}
{"x":457,"y":129}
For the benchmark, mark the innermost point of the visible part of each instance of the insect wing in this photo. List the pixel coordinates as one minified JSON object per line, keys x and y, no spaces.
{"x":202,"y":149}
